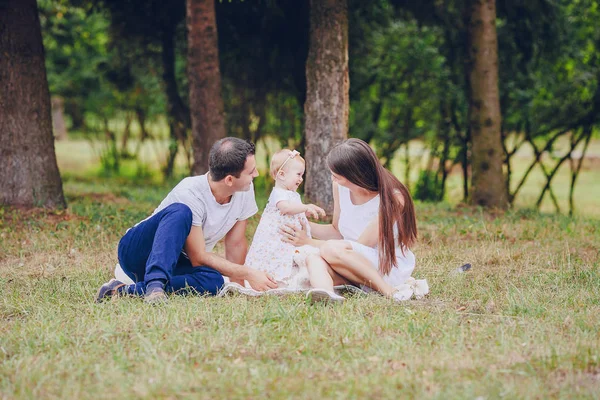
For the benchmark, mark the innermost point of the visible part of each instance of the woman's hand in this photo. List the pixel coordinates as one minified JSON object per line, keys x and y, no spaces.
{"x":291,"y":234}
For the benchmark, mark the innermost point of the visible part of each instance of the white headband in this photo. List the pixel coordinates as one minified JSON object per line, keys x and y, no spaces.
{"x":293,"y":154}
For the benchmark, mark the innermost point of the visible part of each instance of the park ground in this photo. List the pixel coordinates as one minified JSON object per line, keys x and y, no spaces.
{"x":522,"y":323}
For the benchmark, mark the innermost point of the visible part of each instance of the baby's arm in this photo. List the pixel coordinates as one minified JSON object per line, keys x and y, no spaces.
{"x":290,"y":208}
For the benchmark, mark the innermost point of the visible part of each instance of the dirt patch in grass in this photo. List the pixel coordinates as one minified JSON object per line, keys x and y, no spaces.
{"x":16,"y":217}
{"x":591,"y":163}
{"x":108,"y":198}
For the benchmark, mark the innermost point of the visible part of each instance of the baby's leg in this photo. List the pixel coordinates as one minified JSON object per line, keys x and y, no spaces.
{"x":321,"y":275}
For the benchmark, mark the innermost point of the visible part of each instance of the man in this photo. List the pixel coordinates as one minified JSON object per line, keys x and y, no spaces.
{"x":171,"y":251}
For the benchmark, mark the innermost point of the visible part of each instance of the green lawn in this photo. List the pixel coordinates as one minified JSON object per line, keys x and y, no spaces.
{"x":522,"y":324}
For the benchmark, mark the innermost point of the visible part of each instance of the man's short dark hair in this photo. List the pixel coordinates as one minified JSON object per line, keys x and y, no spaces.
{"x":228,"y":157}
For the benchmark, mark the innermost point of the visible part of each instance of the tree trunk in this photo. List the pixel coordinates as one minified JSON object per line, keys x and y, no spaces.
{"x":28,"y":171}
{"x":126,"y":135}
{"x":178,"y":115}
{"x":407,"y":165}
{"x":488,"y":184}
{"x":74,"y":110}
{"x":204,"y":75}
{"x":59,"y":126}
{"x":327,"y":95}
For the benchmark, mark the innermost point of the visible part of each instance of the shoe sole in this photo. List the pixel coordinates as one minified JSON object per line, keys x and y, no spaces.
{"x":283,"y":291}
{"x":158,"y":298}
{"x":234,"y":288}
{"x":349,"y":290}
{"x":231,"y":289}
{"x":101,"y":294}
{"x":322,"y":296}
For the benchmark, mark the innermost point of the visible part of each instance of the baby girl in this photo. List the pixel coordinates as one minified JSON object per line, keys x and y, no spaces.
{"x":268,"y":252}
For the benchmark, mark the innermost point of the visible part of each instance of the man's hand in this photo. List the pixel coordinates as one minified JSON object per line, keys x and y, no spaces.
{"x":314,"y":211}
{"x":260,"y":280}
{"x":238,"y":281}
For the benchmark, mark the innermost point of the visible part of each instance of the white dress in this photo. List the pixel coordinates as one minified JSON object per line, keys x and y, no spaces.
{"x":354,"y":219}
{"x":267,"y":251}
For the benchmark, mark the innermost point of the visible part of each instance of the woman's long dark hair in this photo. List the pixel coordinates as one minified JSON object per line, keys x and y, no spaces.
{"x":356,"y":161}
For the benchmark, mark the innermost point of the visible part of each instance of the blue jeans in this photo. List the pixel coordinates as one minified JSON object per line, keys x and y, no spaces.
{"x":152,"y":251}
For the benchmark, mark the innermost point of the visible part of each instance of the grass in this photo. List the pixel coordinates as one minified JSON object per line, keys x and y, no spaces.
{"x":523,"y":323}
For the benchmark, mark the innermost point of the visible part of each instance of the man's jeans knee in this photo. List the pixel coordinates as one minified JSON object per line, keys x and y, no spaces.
{"x":151,"y":249}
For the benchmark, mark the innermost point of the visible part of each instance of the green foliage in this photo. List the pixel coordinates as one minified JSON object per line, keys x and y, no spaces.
{"x":549,"y":78}
{"x":397,"y":85}
{"x":96,"y":80}
{"x":428,"y":187}
{"x":75,"y":48}
{"x":407,"y":71}
{"x":263,"y":48}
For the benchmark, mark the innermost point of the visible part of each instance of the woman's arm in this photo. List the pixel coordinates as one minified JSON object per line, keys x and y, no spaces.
{"x":336,"y":206}
{"x":320,"y":231}
{"x":370,"y":236}
{"x":329,"y":231}
{"x":299,"y":237}
{"x":324,"y":231}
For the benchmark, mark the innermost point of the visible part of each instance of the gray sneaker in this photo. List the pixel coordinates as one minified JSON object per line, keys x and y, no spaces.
{"x":155,"y":295}
{"x":109,"y":289}
{"x":324,"y":296}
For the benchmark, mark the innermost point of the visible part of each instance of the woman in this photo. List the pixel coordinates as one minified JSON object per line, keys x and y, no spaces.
{"x":373,"y":227}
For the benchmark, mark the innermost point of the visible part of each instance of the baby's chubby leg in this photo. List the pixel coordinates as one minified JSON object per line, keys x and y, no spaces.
{"x":321,"y":275}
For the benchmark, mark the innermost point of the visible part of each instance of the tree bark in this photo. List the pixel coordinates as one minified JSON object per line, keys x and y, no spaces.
{"x":327,"y":95}
{"x":204,"y":75}
{"x":488,"y":184}
{"x":59,"y":125}
{"x":28,"y":170}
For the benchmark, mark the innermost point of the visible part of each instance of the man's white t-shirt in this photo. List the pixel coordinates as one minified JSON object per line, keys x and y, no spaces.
{"x":215,"y":219}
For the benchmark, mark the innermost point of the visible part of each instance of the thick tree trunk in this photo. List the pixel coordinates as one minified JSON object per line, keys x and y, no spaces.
{"x":327,"y":95}
{"x":28,"y":171}
{"x":204,"y":75}
{"x":59,"y":126}
{"x":488,"y":184}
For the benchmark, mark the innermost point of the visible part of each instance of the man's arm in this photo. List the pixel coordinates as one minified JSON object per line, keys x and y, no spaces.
{"x":236,"y":246}
{"x":196,"y":250}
